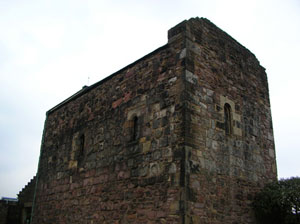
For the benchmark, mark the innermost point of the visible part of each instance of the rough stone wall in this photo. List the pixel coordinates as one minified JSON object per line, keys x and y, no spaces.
{"x":93,"y":171}
{"x":223,"y":170}
{"x":152,"y":143}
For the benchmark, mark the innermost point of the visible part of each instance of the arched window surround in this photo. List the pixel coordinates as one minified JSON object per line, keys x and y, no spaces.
{"x":227,"y":119}
{"x":135,"y":128}
{"x":81,"y":144}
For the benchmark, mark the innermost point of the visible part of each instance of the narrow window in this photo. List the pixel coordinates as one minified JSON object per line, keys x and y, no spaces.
{"x":227,"y":119}
{"x":135,"y":128}
{"x":81,"y":145}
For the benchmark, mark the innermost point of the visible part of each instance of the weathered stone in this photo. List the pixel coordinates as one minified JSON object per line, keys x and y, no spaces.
{"x":190,"y":77}
{"x":146,"y":146}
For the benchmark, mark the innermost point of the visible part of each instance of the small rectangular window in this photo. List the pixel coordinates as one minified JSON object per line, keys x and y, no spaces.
{"x":227,"y":119}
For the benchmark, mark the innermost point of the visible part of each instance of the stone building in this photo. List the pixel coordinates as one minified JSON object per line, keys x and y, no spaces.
{"x":182,"y":135}
{"x":25,"y":200}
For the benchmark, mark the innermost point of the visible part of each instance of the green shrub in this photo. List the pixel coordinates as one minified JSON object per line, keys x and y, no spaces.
{"x":279,"y":202}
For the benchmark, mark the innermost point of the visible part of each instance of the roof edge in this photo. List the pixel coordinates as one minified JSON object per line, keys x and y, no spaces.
{"x":86,"y":89}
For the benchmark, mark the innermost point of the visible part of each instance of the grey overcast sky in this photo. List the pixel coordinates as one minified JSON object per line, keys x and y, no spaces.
{"x":49,"y":49}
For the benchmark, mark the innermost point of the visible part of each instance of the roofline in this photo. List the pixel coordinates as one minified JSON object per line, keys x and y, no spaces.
{"x":86,"y":89}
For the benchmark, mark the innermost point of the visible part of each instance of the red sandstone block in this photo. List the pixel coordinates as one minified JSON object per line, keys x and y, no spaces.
{"x":127,"y":97}
{"x":151,"y":214}
{"x":93,"y":189}
{"x":90,"y":173}
{"x":129,"y":73}
{"x":97,"y":180}
{"x":123,"y":175}
{"x":117,"y":103}
{"x":161,"y":214}
{"x":161,"y":77}
{"x":131,"y":217}
{"x":73,"y":186}
{"x":85,"y":182}
{"x":65,"y":187}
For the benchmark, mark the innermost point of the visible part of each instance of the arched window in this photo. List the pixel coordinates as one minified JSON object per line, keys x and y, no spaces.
{"x":135,"y":128}
{"x":81,"y":145}
{"x":227,"y":119}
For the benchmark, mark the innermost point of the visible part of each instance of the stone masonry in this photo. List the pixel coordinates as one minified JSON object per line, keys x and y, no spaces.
{"x":182,"y":135}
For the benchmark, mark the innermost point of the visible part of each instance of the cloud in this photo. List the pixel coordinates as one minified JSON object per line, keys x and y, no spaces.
{"x":50,"y":49}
